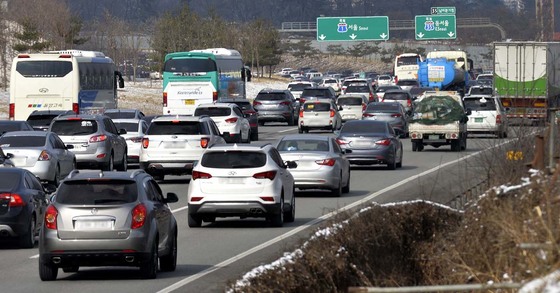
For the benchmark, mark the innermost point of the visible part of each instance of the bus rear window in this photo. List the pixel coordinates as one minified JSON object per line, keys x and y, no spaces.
{"x":44,"y":68}
{"x":190,"y":65}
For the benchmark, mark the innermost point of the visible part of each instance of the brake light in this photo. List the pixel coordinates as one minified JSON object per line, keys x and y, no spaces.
{"x":145,"y":142}
{"x":12,"y":111}
{"x":256,"y":103}
{"x":98,"y":138}
{"x":326,"y":162}
{"x":44,"y":156}
{"x":214,"y":96}
{"x":332,"y":113}
{"x":301,"y":114}
{"x":139,"y":214}
{"x":396,"y":80}
{"x":231,"y":120}
{"x":369,"y":115}
{"x":65,"y":56}
{"x":268,"y":198}
{"x":200,"y":175}
{"x":204,"y":142}
{"x":371,"y":98}
{"x":15,"y":200}
{"x":301,"y":101}
{"x":76,"y":108}
{"x":196,"y":198}
{"x":250,"y":112}
{"x":396,"y":115}
{"x":285,"y":103}
{"x":165,"y":99}
{"x":498,"y":119}
{"x":340,"y":141}
{"x":23,"y":56}
{"x":265,"y":175}
{"x":409,"y":103}
{"x":50,"y":217}
{"x":384,"y":142}
{"x":364,"y":106}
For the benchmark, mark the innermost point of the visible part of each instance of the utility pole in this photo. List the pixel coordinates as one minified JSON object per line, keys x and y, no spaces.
{"x":545,"y":20}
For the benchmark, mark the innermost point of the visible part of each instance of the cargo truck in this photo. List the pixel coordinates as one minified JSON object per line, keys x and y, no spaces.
{"x":527,"y":80}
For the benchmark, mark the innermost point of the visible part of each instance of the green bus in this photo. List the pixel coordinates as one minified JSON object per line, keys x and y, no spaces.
{"x":202,"y":76}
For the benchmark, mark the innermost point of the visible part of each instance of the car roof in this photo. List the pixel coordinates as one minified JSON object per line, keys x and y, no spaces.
{"x":126,"y":120}
{"x":318,"y":101}
{"x":239,"y":147}
{"x":122,"y":110}
{"x":87,"y":174}
{"x":219,"y":104}
{"x":8,"y":122}
{"x":83,"y":116}
{"x":13,"y":170}
{"x":272,"y":91}
{"x":305,"y":137}
{"x":168,"y":118}
{"x":26,"y":133}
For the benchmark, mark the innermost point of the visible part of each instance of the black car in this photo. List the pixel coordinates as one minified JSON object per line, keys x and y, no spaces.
{"x":250,"y":114}
{"x":23,"y":201}
{"x":41,"y":119}
{"x":14,"y":125}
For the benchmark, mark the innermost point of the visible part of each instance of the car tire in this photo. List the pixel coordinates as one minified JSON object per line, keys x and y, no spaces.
{"x":414,"y":146}
{"x":194,"y":221}
{"x":290,"y":215}
{"x":255,"y":135}
{"x":346,"y":188}
{"x":300,"y":130}
{"x":27,"y":239}
{"x":168,"y":263}
{"x":277,"y":220}
{"x":337,"y":191}
{"x":392,"y":165}
{"x":56,"y":178}
{"x":73,"y":269}
{"x":291,"y":120}
{"x":123,"y":166}
{"x":109,"y":166}
{"x":456,"y":145}
{"x":148,"y":270}
{"x":47,"y":272}
{"x":399,"y":164}
{"x":248,"y":140}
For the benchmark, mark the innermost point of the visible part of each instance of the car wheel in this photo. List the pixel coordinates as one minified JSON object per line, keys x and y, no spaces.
{"x":47,"y":272}
{"x":248,"y":140}
{"x":148,"y":270}
{"x":168,"y":263}
{"x":123,"y":166}
{"x":109,"y":166}
{"x":414,"y":146}
{"x":399,"y":164}
{"x":255,"y":135}
{"x":56,"y":179}
{"x":291,"y":120}
{"x":290,"y":215}
{"x":73,"y":269}
{"x":392,"y":165}
{"x":277,"y":220}
{"x":337,"y":191}
{"x":27,"y":239}
{"x":194,"y":221}
{"x":346,"y":188}
{"x":300,"y":130}
{"x":455,"y":145}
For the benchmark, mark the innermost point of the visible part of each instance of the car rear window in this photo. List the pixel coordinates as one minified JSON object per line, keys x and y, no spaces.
{"x":357,"y":89}
{"x":74,"y":127}
{"x":97,"y":192}
{"x":407,"y":82}
{"x":212,"y":111}
{"x":233,"y":159}
{"x":298,"y":86}
{"x":315,"y":93}
{"x":243,"y":105}
{"x":382,"y":107}
{"x":271,"y":97}
{"x":22,"y":141}
{"x":172,"y":127}
{"x":9,"y":127}
{"x":476,"y":105}
{"x":395,"y":96}
{"x":316,"y":107}
{"x":382,"y":89}
{"x":9,"y":180}
{"x":41,"y":120}
{"x":120,"y":115}
{"x":128,"y":126}
{"x":364,"y":127}
{"x":304,"y":145}
{"x":480,"y":91}
{"x":350,"y":101}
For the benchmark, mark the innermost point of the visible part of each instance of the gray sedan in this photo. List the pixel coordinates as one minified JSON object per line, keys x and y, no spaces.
{"x":392,"y":112}
{"x":321,"y":163}
{"x":41,"y":152}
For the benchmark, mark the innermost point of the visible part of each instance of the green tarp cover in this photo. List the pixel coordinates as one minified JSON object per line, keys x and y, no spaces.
{"x":437,"y":110}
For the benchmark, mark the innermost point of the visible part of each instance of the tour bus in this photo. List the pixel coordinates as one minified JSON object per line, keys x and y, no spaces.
{"x":202,"y":76}
{"x":406,"y":66}
{"x":81,"y":81}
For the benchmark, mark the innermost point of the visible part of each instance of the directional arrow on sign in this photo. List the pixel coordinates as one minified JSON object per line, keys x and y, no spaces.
{"x":420,"y":35}
{"x":353,"y":36}
{"x":383,"y":36}
{"x":450,"y":34}
{"x":322,"y":37}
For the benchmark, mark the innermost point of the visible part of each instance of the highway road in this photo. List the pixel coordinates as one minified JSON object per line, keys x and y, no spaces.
{"x":211,"y":256}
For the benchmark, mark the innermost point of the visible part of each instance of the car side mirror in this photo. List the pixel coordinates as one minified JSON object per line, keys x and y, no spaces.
{"x":69,"y":146}
{"x":49,"y":188}
{"x":122,"y":131}
{"x":346,"y":151}
{"x":340,"y":108}
{"x":291,"y":164}
{"x":171,"y":197}
{"x":9,"y":156}
{"x":468,"y":112}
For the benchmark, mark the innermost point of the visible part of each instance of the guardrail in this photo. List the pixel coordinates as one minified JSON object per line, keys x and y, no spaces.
{"x":439,"y":288}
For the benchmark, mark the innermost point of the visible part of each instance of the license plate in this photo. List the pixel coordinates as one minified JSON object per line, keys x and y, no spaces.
{"x":433,"y":137}
{"x":361,"y":143}
{"x":93,"y":225}
{"x":233,"y":180}
{"x":78,"y":147}
{"x":175,"y":145}
{"x":189,"y":102}
{"x":478,"y":120}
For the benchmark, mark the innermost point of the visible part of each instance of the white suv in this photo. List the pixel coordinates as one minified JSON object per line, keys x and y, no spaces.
{"x":488,"y":115}
{"x":230,"y":120}
{"x":241,"y":181}
{"x":174,"y":143}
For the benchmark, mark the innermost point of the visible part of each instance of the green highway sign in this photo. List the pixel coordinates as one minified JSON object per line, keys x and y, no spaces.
{"x":352,"y":28}
{"x":443,"y":10}
{"x":435,"y":27}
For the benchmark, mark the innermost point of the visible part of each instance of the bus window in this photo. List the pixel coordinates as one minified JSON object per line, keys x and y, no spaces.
{"x":190,"y":65}
{"x":43,"y":68}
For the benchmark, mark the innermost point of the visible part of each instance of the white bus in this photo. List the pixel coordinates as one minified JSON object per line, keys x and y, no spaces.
{"x":406,"y":66}
{"x":81,"y":81}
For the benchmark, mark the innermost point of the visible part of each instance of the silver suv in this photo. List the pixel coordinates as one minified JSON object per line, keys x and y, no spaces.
{"x":174,"y":143}
{"x":101,"y":218}
{"x":276,"y":106}
{"x":96,"y":141}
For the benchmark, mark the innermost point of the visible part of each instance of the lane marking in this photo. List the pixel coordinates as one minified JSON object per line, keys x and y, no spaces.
{"x":286,"y":130}
{"x":371,"y":196}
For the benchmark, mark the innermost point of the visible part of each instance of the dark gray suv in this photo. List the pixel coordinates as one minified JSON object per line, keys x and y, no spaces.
{"x":101,"y":218}
{"x":276,"y":106}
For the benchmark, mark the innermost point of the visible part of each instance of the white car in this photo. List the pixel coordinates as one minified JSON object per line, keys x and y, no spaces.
{"x":135,"y":130}
{"x":296,"y":87}
{"x":332,"y":82}
{"x":319,"y":114}
{"x":229,"y":118}
{"x":241,"y":181}
{"x":353,"y":81}
{"x":353,"y":106}
{"x":384,"y":79}
{"x":488,"y":115}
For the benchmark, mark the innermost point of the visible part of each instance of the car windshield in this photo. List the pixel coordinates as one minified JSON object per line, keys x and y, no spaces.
{"x":271,"y":97}
{"x":309,"y":145}
{"x":22,"y":141}
{"x":9,"y":180}
{"x":363,"y":127}
{"x":120,"y":115}
{"x":477,"y":104}
{"x":74,"y":127}
{"x":129,"y":126}
{"x":298,"y":86}
{"x":350,"y":101}
{"x":233,"y":159}
{"x":395,"y":96}
{"x":97,"y":192}
{"x":316,"y":107}
{"x":212,"y":111}
{"x":172,"y":127}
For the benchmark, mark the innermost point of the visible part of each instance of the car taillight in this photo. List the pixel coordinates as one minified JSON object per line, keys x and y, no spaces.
{"x":326,"y":162}
{"x":12,"y":111}
{"x":369,"y":115}
{"x":214,"y":96}
{"x":250,"y":112}
{"x":76,"y":108}
{"x":498,"y":119}
{"x":301,"y":114}
{"x":15,"y":200}
{"x":165,"y":99}
{"x":200,"y":175}
{"x":285,"y":103}
{"x":396,"y":115}
{"x":331,"y":114}
{"x":98,"y":138}
{"x":145,"y":142}
{"x":196,"y":198}
{"x":256,"y":103}
{"x":50,"y":217}
{"x":384,"y":142}
{"x":364,"y":106}
{"x":301,"y":101}
{"x":408,"y":103}
{"x":231,"y":120}
{"x":135,"y":139}
{"x":340,"y":141}
{"x":44,"y":156}
{"x":265,"y":175}
{"x":204,"y":142}
{"x":268,"y":198}
{"x":371,"y":97}
{"x":139,"y":214}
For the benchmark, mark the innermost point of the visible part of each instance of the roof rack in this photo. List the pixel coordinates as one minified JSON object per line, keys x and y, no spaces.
{"x":266,"y":144}
{"x":136,"y":172}
{"x":73,"y":173}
